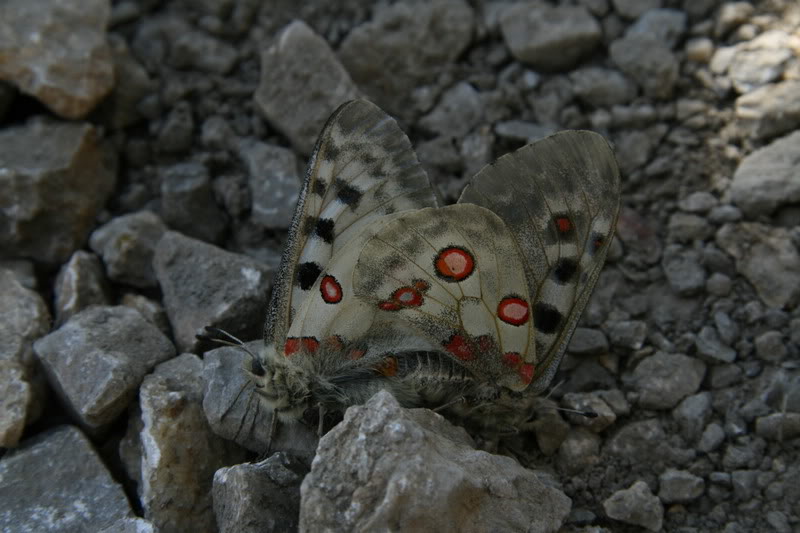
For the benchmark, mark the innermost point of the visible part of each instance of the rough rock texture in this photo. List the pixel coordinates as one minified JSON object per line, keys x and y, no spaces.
{"x":295,"y":68}
{"x":636,"y":505}
{"x":259,"y":497}
{"x":97,"y":360}
{"x":179,"y":452}
{"x":80,"y":283}
{"x":56,"y":176}
{"x":274,"y":179}
{"x":386,"y":467}
{"x":404,"y":46}
{"x":41,"y":54}
{"x":206,"y":286}
{"x":56,"y":482}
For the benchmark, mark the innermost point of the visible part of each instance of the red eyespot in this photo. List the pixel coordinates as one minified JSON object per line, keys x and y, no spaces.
{"x":454,"y":264}
{"x":295,"y":344}
{"x":513,"y":310}
{"x":421,"y":285}
{"x":407,"y":297}
{"x":331,"y":290}
{"x":458,"y":346}
{"x":388,"y":305}
{"x":525,"y":370}
{"x":563,"y":224}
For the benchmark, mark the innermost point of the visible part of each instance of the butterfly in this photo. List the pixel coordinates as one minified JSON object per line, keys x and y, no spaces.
{"x":465,"y":308}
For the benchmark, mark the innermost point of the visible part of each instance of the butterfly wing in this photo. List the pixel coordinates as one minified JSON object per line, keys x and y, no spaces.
{"x":560,"y":198}
{"x":455,"y":276}
{"x":362,"y":168}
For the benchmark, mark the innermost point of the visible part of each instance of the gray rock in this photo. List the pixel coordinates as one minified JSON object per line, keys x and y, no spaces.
{"x":744,"y":483}
{"x":698,"y":202}
{"x":176,"y":133}
{"x":418,"y":39}
{"x":686,"y":227}
{"x":767,"y":257}
{"x":206,"y":286}
{"x":62,"y":174}
{"x":42,"y":57}
{"x":700,"y":49}
{"x":616,"y":400}
{"x":712,"y":438}
{"x":549,"y":37}
{"x":719,"y":284}
{"x":636,"y":505}
{"x":476,"y":151}
{"x":778,"y":426}
{"x":756,"y":62}
{"x":602,"y":87}
{"x":633,"y":151}
{"x":127,"y":244}
{"x":293,"y":70}
{"x":236,"y":413}
{"x":579,"y":451}
{"x":629,"y":334}
{"x":79,"y":284}
{"x":679,"y":486}
{"x":770,"y":346}
{"x":23,"y":270}
{"x":638,"y":441}
{"x":548,"y":426}
{"x":632,"y":9}
{"x":581,"y":401}
{"x":121,"y":108}
{"x":179,"y":452}
{"x":151,"y":310}
{"x":728,"y":329}
{"x":692,"y":414}
{"x":57,"y":482}
{"x":259,"y":497}
{"x":216,"y":133}
{"x":684,"y":269}
{"x":771,"y":110}
{"x":388,"y":467}
{"x":198,"y":51}
{"x":522,"y":131}
{"x":130,"y":524}
{"x":766,"y":180}
{"x":274,"y":182}
{"x":23,"y":318}
{"x":97,"y":360}
{"x":588,"y":341}
{"x":663,"y":380}
{"x":666,"y":26}
{"x":459,"y":110}
{"x":710,"y":346}
{"x":731,"y":15}
{"x":650,"y":63}
{"x":187,"y":202}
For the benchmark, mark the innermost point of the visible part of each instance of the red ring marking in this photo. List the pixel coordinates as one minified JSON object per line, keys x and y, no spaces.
{"x":458,"y":346}
{"x":513,"y":310}
{"x":295,"y":344}
{"x":331,"y":290}
{"x":454,"y":264}
{"x":291,"y":346}
{"x":407,"y":297}
{"x":563,"y":224}
{"x":388,"y":305}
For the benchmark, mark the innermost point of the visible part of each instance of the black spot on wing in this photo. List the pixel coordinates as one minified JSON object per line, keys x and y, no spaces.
{"x":348,"y":195}
{"x":309,"y":224}
{"x":546,"y":318}
{"x":565,"y":270}
{"x":319,"y":188}
{"x":307,"y":274}
{"x":324,"y":229}
{"x":332,"y":151}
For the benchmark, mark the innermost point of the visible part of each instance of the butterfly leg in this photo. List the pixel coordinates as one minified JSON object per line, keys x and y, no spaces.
{"x":321,"y":426}
{"x":459,"y":399}
{"x":273,"y":428}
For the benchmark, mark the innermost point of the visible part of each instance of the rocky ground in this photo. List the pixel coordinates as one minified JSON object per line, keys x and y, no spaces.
{"x":150,"y":156}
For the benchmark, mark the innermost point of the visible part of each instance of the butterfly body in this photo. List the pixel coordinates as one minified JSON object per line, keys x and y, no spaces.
{"x":465,"y":308}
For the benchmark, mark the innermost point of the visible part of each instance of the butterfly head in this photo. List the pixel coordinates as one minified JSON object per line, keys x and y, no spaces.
{"x":282,"y":386}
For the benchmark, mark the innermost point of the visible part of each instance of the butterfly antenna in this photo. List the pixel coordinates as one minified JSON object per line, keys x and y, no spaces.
{"x":588,"y":413}
{"x":444,"y":406}
{"x":220,"y":336}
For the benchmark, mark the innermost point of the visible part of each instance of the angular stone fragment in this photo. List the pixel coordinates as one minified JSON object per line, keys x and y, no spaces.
{"x":97,"y":360}
{"x":679,"y":486}
{"x":406,"y":45}
{"x":206,"y":286}
{"x":274,"y":181}
{"x":56,"y":482}
{"x":636,"y":505}
{"x":385,"y":467}
{"x":79,"y":284}
{"x":179,"y":451}
{"x":294,"y":71}
{"x":262,"y":497}
{"x":187,"y":202}
{"x":15,"y":400}
{"x":664,"y":379}
{"x":127,"y":244}
{"x":57,"y":52}
{"x":549,"y":37}
{"x":771,"y":110}
{"x":767,"y":257}
{"x":61,"y":175}
{"x":121,"y":108}
{"x":650,"y":63}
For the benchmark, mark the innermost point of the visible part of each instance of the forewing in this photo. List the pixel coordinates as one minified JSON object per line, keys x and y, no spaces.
{"x":455,"y":276}
{"x":560,"y":198}
{"x":362,"y":168}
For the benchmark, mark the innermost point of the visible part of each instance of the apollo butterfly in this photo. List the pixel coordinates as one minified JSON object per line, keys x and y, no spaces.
{"x":466,"y":307}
